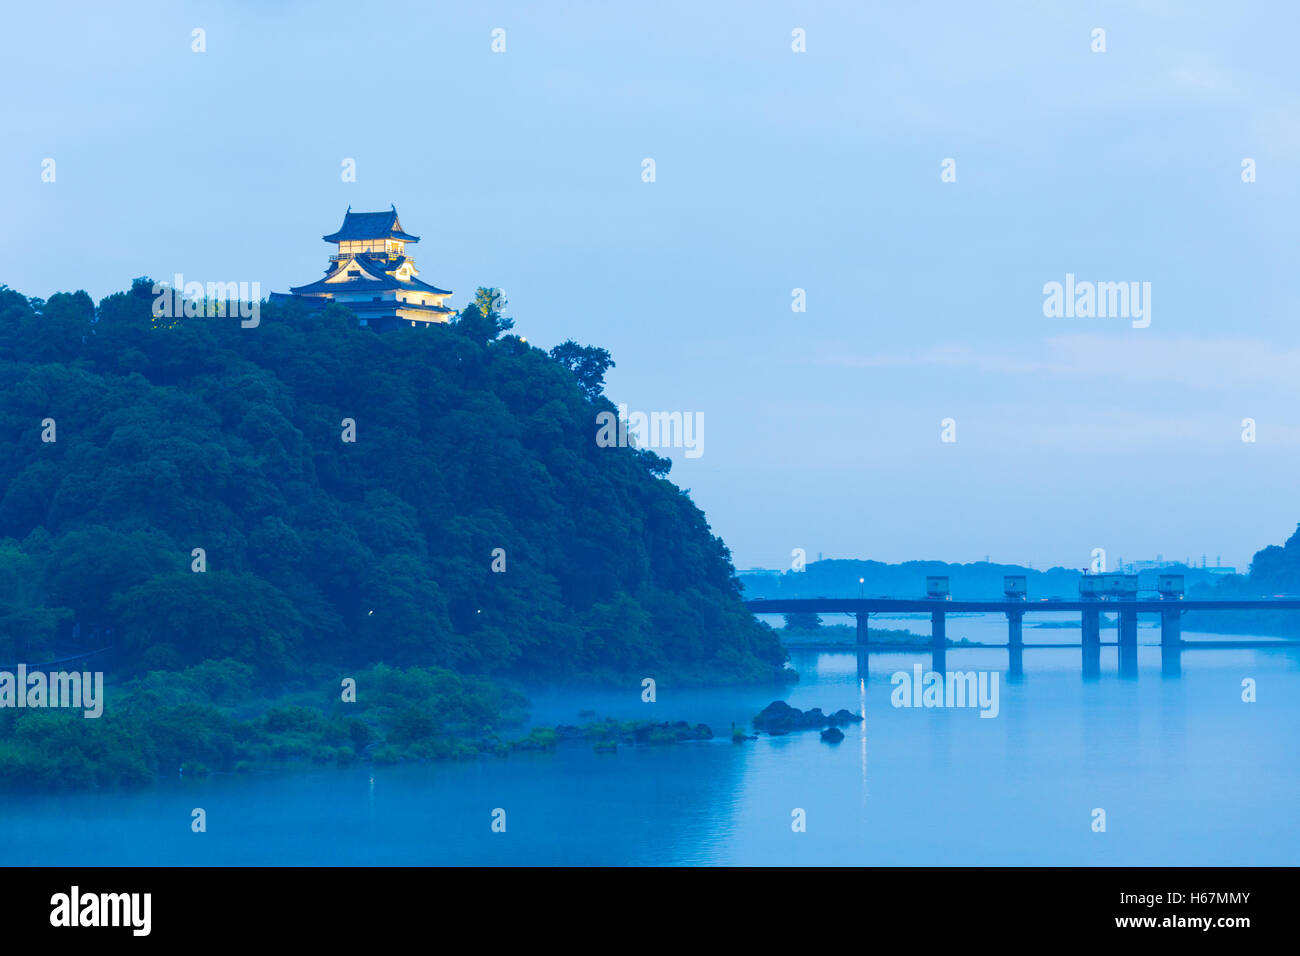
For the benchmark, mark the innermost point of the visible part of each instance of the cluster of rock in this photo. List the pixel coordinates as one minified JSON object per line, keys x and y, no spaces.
{"x":779,"y":718}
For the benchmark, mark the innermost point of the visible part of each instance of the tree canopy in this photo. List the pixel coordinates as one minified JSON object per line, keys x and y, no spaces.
{"x":201,"y":434}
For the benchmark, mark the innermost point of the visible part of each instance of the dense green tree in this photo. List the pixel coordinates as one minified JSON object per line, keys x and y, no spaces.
{"x":28,"y":626}
{"x":802,"y":621}
{"x":178,"y":619}
{"x":588,"y":363}
{"x":198,"y":433}
{"x":481,"y":321}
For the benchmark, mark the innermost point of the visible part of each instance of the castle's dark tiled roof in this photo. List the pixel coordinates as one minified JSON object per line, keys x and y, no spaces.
{"x":372,"y":261}
{"x":386,"y":284}
{"x":370,"y":225}
{"x":378,"y":265}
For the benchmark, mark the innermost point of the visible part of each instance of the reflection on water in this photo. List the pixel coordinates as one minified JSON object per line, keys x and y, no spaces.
{"x":1187,"y":773}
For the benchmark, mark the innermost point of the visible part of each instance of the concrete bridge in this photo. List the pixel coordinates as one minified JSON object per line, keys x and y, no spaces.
{"x":1090,"y":609}
{"x":1112,"y":594}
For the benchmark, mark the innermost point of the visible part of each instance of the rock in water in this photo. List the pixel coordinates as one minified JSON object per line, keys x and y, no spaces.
{"x":832,"y":735}
{"x":779,"y":717}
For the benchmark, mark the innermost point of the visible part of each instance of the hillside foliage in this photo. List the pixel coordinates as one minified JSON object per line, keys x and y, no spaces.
{"x":179,"y":434}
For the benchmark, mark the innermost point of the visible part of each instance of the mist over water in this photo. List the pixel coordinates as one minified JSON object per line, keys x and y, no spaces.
{"x":1186,"y":771}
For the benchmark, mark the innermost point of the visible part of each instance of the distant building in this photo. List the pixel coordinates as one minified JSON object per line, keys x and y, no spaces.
{"x":374,"y":277}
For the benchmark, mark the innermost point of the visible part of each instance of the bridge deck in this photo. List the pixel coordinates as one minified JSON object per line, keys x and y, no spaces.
{"x":929,"y":605}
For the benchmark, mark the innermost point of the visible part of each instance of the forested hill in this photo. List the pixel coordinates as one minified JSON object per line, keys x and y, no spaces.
{"x":1274,"y":570}
{"x":172,"y":435}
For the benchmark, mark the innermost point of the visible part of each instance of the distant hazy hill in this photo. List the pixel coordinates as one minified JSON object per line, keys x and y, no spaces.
{"x":839,"y":578}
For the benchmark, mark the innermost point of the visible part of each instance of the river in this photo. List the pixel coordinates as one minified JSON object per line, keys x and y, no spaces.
{"x":1186,"y":772}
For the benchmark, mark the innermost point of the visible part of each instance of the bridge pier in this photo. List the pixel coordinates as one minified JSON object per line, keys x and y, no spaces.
{"x":1091,"y":643}
{"x":1015,"y":663}
{"x":938,"y":630}
{"x":862,"y":628}
{"x":1171,"y":660}
{"x":1091,"y":628}
{"x":1128,"y":637}
{"x":1015,"y":628}
{"x":1015,"y":646}
{"x":1171,"y":642}
{"x":1128,"y":661}
{"x":1171,"y":627}
{"x":1128,"y":627}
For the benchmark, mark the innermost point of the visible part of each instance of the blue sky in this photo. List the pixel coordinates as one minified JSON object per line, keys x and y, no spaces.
{"x":775,"y":170}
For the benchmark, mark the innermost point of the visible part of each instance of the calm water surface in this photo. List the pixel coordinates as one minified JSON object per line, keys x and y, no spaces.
{"x":1187,"y":774}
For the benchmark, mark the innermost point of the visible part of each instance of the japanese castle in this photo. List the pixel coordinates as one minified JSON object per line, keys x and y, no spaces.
{"x":374,"y":277}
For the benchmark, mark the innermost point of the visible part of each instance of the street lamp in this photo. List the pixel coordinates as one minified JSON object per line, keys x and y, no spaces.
{"x":861,"y":582}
